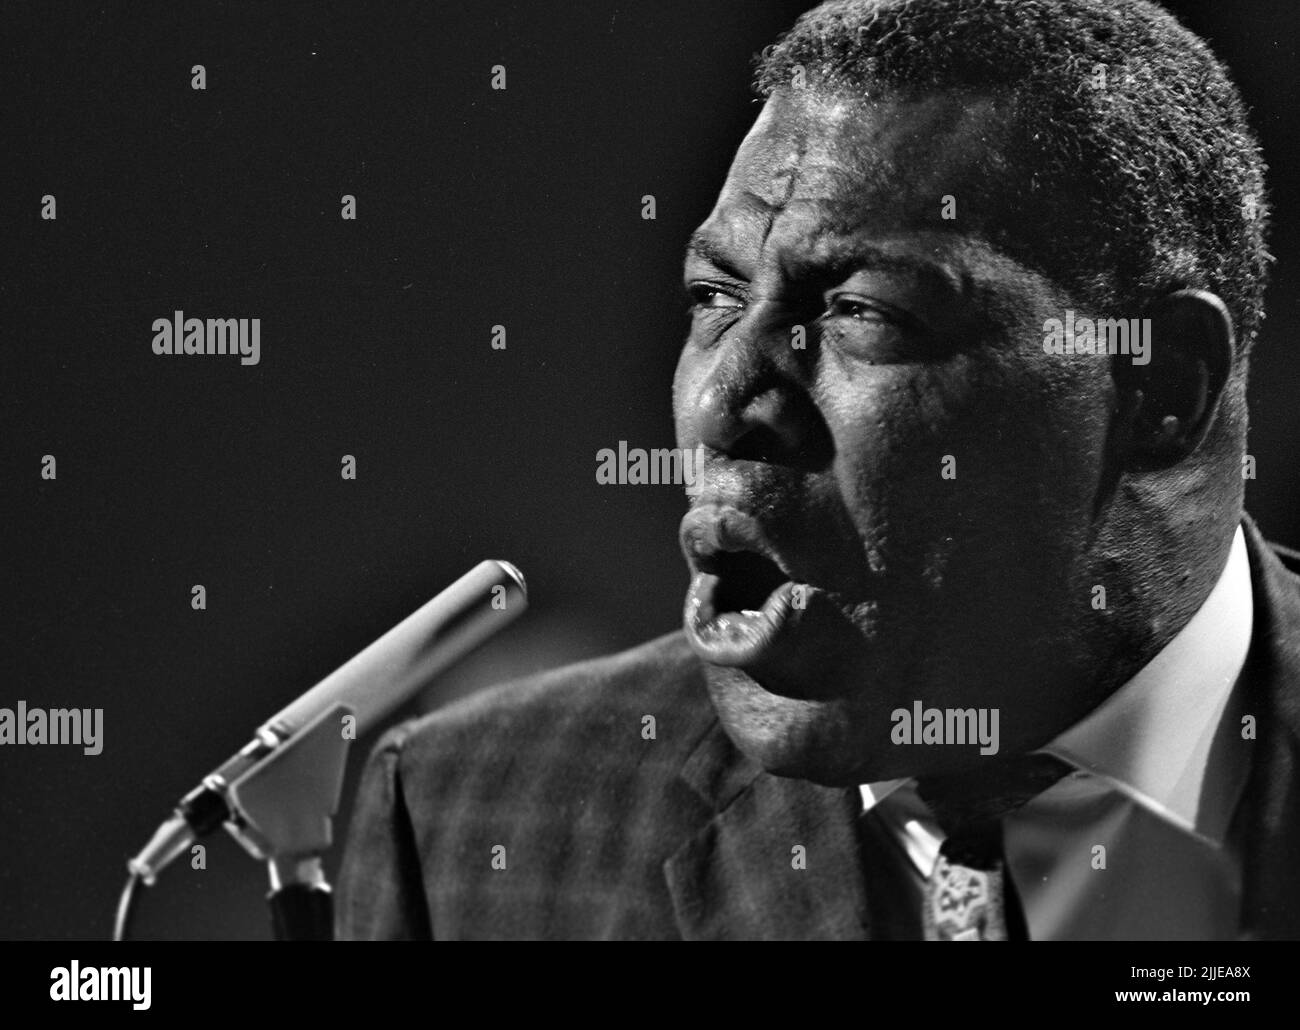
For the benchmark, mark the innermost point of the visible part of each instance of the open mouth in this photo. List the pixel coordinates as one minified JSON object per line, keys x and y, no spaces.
{"x":745,"y":580}
{"x":740,"y":597}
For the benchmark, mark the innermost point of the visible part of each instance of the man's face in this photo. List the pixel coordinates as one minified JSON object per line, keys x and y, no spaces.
{"x":899,"y":491}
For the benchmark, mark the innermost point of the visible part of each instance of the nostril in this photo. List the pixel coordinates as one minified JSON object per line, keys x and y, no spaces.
{"x":782,"y":426}
{"x":763,"y":419}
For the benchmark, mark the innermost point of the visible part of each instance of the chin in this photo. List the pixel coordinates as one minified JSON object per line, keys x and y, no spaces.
{"x":832,"y":741}
{"x":824,"y":741}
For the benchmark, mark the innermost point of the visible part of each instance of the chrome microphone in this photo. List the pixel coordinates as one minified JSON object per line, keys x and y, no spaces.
{"x":372,"y":683}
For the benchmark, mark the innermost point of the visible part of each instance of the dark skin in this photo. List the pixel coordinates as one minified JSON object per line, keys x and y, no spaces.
{"x":923,"y":342}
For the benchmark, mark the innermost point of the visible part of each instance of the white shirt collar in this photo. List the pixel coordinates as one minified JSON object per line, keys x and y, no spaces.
{"x":1152,"y":739}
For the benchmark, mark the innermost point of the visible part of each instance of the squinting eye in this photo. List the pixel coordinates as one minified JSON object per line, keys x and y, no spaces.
{"x":846,"y":305}
{"x":706,"y":296}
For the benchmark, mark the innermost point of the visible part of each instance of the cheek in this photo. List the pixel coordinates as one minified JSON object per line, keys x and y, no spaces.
{"x":983,"y":456}
{"x":895,"y":432}
{"x":1044,"y":437}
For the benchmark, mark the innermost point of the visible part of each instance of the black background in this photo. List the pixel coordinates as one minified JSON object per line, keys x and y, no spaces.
{"x":475,"y":207}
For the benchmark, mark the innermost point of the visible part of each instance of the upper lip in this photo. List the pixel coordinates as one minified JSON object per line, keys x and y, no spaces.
{"x":714,"y":529}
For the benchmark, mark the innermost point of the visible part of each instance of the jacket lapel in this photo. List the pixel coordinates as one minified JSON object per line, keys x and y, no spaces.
{"x":1267,"y":823}
{"x":743,"y":876}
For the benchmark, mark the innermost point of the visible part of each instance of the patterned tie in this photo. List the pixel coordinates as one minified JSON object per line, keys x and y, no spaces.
{"x":969,"y":896}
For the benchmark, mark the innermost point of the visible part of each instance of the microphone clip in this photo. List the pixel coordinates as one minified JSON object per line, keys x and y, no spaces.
{"x":283,"y":806}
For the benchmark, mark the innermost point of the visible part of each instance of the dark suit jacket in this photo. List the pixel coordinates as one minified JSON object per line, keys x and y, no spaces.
{"x":610,"y":835}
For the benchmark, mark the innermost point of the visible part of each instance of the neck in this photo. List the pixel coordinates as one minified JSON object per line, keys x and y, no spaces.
{"x":1159,"y":562}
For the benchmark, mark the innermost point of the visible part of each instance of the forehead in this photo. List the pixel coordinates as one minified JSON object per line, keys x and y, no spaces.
{"x":817,"y":167}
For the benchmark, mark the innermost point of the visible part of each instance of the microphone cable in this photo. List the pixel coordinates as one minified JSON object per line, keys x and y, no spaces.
{"x":126,"y":906}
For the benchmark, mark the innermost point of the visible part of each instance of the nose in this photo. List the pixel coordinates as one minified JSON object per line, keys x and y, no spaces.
{"x":752,"y":403}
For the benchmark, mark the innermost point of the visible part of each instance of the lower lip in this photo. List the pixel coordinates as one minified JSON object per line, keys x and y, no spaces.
{"x":735,"y":638}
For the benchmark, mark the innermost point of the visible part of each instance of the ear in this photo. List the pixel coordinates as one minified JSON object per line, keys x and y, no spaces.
{"x":1167,"y":403}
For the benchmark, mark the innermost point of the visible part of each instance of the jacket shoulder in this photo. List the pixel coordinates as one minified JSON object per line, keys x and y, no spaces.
{"x":559,"y":773}
{"x":585,"y":715}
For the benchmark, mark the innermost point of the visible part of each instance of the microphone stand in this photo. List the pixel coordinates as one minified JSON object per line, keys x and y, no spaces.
{"x":277,"y":796}
{"x":283,"y":809}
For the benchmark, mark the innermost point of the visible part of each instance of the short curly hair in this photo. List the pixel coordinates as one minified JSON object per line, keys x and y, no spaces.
{"x":1132,"y":151}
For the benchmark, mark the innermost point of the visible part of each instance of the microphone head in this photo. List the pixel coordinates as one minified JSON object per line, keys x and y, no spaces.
{"x":405,"y":659}
{"x":515,"y":574}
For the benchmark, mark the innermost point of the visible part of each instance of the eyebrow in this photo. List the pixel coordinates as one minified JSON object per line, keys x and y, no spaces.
{"x":837,"y":259}
{"x":702,"y":245}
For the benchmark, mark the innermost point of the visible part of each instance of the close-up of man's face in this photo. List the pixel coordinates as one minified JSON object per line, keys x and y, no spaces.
{"x":900,"y":486}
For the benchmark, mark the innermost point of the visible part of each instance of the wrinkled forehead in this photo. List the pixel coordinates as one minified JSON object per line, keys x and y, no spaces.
{"x":817,"y":163}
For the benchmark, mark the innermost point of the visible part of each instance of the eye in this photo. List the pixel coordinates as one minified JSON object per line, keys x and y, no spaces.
{"x":709,"y":295}
{"x":868,"y":329}
{"x":851,"y":305}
